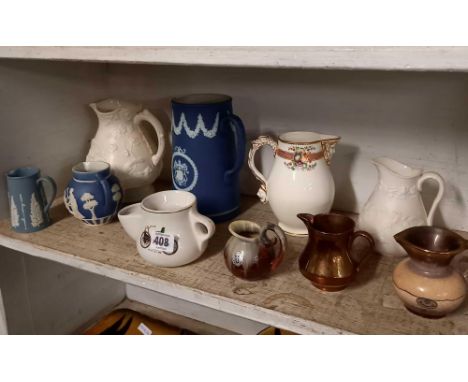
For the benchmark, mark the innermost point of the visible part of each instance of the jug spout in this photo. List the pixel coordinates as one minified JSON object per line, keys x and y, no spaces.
{"x":391,"y":169}
{"x":308,"y":220}
{"x":130,"y":218}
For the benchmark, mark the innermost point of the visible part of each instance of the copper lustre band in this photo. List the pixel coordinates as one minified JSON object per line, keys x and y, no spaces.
{"x":307,"y":156}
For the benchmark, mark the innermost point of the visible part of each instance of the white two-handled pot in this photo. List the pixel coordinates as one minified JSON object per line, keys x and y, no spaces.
{"x":167,"y":228}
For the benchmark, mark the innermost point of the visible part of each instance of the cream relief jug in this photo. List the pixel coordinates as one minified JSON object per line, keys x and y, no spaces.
{"x":396,"y":204}
{"x":300,"y":179}
{"x":132,"y":153}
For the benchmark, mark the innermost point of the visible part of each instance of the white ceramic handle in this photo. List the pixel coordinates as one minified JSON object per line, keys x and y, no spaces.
{"x":256,"y":144}
{"x":207,"y":223}
{"x":435,"y":203}
{"x":145,"y":115}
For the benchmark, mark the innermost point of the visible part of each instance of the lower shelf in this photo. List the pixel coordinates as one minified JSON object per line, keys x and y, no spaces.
{"x":286,"y":300}
{"x":164,"y":316}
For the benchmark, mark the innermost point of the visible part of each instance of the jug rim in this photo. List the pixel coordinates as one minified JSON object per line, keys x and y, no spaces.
{"x":197,"y":99}
{"x":431,"y":231}
{"x":312,"y":137}
{"x":190,"y":201}
{"x":400,"y":169}
{"x":90,"y":167}
{"x":119,"y":104}
{"x":334,"y":215}
{"x":29,"y":171}
{"x":250,"y":223}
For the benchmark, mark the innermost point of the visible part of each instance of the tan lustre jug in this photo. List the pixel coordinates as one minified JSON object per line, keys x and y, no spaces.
{"x":133,"y":155}
{"x":426,"y":282}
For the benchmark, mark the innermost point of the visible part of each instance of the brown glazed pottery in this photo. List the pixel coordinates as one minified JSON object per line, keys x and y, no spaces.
{"x":252,"y":252}
{"x":326,"y":260}
{"x":426,"y":282}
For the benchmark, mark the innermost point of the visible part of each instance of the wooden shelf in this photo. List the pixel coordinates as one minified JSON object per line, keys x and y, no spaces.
{"x":347,"y":58}
{"x":286,"y":300}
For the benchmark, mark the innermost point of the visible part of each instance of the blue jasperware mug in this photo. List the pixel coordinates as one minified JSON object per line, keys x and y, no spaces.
{"x":208,"y":149}
{"x":29,"y":206}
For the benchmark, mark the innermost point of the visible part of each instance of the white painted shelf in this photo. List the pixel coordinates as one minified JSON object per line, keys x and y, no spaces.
{"x":347,"y":58}
{"x":286,"y":300}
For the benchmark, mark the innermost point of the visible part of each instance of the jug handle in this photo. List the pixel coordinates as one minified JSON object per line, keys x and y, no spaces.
{"x":146,"y":116}
{"x":48,"y":179}
{"x":239,"y":139}
{"x":277,"y":231}
{"x":256,"y":144}
{"x":435,"y":203}
{"x":198,"y":218}
{"x":366,"y":236}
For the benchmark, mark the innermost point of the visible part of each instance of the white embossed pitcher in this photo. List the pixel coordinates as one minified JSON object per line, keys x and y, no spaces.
{"x":120,"y":141}
{"x":396,"y":204}
{"x":300,"y":180}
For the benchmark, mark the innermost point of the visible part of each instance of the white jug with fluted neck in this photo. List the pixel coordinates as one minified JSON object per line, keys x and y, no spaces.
{"x":396,"y":204}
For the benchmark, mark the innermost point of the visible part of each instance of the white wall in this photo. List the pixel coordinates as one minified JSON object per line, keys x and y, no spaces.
{"x":420,"y":119}
{"x":44,"y":122}
{"x":417,"y":118}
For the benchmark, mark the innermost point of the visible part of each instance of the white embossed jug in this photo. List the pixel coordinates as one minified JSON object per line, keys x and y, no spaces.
{"x":396,"y":204}
{"x":300,"y":180}
{"x":120,"y":141}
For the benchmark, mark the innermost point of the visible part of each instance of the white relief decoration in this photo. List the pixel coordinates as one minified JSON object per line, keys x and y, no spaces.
{"x":14,"y":213}
{"x":23,"y":213}
{"x":71,"y":204}
{"x":398,"y":192}
{"x":209,"y":133}
{"x":116,"y":194}
{"x":238,"y":258}
{"x":36,"y":212}
{"x":89,"y":203}
{"x":181,"y":172}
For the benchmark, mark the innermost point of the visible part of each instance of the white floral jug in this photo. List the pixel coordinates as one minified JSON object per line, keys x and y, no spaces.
{"x":300,"y":179}
{"x":396,"y":204}
{"x":133,"y":155}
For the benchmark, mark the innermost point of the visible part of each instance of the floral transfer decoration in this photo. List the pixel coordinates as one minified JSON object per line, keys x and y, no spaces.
{"x":301,"y":158}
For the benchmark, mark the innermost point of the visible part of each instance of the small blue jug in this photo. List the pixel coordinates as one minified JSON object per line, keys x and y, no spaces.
{"x":29,"y":206}
{"x":208,"y":149}
{"x":93,"y":195}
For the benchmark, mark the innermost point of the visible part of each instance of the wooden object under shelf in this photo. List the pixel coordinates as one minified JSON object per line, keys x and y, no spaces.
{"x":286,"y":300}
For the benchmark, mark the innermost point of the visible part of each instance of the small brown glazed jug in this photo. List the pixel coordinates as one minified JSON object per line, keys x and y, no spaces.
{"x":426,"y":282}
{"x":326,"y":260}
{"x":253,"y":252}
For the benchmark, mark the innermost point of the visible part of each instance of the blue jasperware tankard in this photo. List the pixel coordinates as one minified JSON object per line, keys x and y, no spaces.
{"x":208,"y":149}
{"x":29,"y":206}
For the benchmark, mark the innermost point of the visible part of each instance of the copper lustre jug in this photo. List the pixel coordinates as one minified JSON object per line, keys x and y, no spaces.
{"x":326,"y":260}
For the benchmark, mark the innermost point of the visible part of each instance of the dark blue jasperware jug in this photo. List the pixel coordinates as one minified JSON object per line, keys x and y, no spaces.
{"x":29,"y":206}
{"x":94,"y":194}
{"x":208,"y":149}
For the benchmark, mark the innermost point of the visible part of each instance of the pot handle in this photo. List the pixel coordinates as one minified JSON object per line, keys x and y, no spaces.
{"x":277,"y":231}
{"x":366,"y":236}
{"x":239,"y":139}
{"x":256,"y":144}
{"x":146,"y":116}
{"x":206,"y":222}
{"x":48,"y":179}
{"x":435,"y":203}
